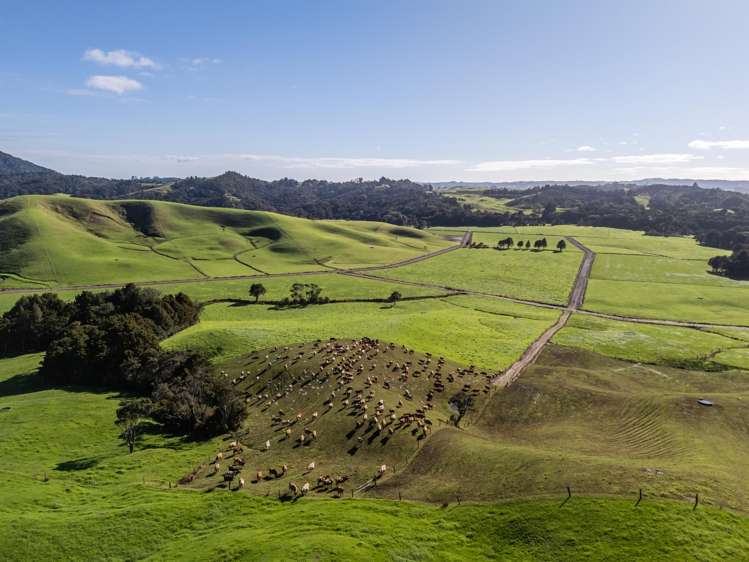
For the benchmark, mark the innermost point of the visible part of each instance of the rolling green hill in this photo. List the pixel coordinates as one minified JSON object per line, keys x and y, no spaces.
{"x":59,"y":240}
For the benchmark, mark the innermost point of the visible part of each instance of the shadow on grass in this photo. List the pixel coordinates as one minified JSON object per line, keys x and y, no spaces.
{"x":25,"y":383}
{"x":77,"y":464}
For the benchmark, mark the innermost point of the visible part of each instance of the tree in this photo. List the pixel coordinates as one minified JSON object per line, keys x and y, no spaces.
{"x":527,"y":244}
{"x":394,"y":297}
{"x":462,"y":402}
{"x":130,"y":417}
{"x":520,"y":244}
{"x":561,"y":245}
{"x":257,"y":290}
{"x":312,"y":293}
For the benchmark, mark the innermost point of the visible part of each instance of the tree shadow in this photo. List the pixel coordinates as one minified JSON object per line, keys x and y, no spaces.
{"x":77,"y":464}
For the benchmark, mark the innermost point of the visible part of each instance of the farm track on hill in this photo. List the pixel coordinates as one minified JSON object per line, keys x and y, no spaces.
{"x":577,"y":297}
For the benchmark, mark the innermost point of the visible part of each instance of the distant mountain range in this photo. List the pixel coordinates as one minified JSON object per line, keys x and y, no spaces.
{"x":729,"y":185}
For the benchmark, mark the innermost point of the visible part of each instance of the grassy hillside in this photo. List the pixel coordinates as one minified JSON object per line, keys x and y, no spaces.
{"x":98,"y":502}
{"x":349,"y":406}
{"x":57,"y":240}
{"x":600,"y":426}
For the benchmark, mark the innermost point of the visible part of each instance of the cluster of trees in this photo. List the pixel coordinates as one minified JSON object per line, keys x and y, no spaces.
{"x":538,"y":245}
{"x":735,"y":266}
{"x":112,"y":339}
{"x":302,"y":294}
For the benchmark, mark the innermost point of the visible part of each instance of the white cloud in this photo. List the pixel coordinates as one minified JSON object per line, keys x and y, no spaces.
{"x":656,"y":158}
{"x":196,"y":63}
{"x":586,"y":148}
{"x":117,"y":84}
{"x":512,"y":165}
{"x":182,"y":159}
{"x":120,"y":58}
{"x":707,"y":145}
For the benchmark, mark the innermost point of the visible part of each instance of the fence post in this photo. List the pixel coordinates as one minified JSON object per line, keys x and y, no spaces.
{"x":696,"y":501}
{"x":639,"y":499}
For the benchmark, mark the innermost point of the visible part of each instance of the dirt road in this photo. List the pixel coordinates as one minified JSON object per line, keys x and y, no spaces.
{"x":577,"y":297}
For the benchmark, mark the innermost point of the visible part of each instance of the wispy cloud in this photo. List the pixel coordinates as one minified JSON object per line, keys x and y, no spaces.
{"x":728,"y":144}
{"x":197,"y":63}
{"x":656,"y":158}
{"x":181,"y":159}
{"x":300,"y":162}
{"x":586,"y":148}
{"x":116,"y":84}
{"x":345,"y":163}
{"x":120,"y":58}
{"x":513,"y":165}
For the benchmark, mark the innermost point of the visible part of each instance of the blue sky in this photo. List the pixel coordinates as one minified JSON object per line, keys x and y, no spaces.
{"x":431,"y":90}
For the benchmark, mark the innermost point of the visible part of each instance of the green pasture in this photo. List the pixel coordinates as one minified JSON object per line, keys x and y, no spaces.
{"x":545,"y":276}
{"x":645,"y":343}
{"x":468,"y":330}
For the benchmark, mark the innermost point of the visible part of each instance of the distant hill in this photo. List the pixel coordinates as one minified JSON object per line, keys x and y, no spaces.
{"x":730,"y":185}
{"x":10,"y":165}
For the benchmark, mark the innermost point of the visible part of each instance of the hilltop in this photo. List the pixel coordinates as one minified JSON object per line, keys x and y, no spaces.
{"x":53,"y":240}
{"x":10,"y":165}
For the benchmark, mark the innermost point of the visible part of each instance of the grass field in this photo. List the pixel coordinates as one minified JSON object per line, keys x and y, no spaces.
{"x":667,"y":345}
{"x":484,"y":203}
{"x":647,"y":276}
{"x":100,"y":503}
{"x":545,"y":276}
{"x":465,"y":329}
{"x":57,"y":240}
{"x":680,"y":289}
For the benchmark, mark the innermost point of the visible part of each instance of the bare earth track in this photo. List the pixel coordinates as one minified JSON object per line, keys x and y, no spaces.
{"x":577,"y":297}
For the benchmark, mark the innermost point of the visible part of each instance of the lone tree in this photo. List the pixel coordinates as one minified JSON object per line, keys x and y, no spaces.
{"x":394,"y":297}
{"x":129,"y":417}
{"x":257,"y":290}
{"x":561,"y":246}
{"x":462,"y":402}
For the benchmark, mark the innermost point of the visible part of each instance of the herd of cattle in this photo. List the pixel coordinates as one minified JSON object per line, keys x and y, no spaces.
{"x":295,"y":389}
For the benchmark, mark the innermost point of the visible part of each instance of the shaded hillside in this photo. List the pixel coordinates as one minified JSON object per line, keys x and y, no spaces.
{"x":64,"y":240}
{"x":10,"y":165}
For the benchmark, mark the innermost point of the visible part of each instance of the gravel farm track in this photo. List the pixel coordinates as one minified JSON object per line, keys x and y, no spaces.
{"x":574,"y":305}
